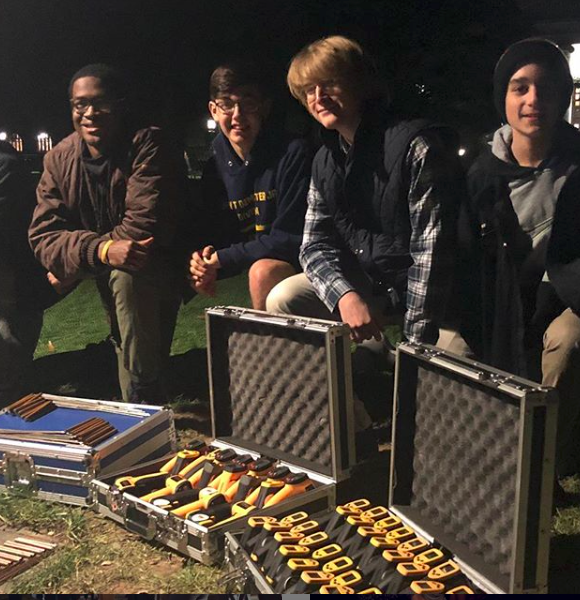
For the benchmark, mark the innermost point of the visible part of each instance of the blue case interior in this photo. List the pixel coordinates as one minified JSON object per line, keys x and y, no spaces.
{"x":61,"y":419}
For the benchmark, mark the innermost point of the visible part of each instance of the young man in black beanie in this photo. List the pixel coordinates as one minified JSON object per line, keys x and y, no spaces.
{"x":524,"y":206}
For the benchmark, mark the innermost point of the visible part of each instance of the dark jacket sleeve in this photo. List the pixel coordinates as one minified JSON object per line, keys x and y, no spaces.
{"x":283,"y":240}
{"x":7,"y":250}
{"x":563,"y":261}
{"x":22,"y":279}
{"x":153,"y":201}
{"x":218,"y":224}
{"x":16,"y":205}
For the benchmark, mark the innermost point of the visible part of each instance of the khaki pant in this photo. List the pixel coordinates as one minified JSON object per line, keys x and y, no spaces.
{"x":560,"y":369}
{"x":142,"y":309}
{"x":296,"y":296}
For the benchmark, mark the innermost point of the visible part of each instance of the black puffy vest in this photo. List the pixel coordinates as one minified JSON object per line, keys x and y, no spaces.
{"x":370,"y":185}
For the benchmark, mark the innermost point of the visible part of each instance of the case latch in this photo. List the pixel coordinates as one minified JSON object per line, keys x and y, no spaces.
{"x":20,"y":472}
{"x":177,"y":528}
{"x":116,"y":503}
{"x":142,"y":522}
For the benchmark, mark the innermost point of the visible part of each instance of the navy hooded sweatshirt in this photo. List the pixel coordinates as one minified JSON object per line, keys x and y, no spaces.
{"x":256,"y":207}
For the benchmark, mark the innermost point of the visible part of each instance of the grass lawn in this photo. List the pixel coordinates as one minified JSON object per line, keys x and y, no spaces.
{"x":79,"y":319}
{"x":98,"y":556}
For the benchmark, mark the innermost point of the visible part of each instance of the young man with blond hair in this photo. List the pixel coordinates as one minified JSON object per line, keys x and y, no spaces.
{"x":380,"y":227}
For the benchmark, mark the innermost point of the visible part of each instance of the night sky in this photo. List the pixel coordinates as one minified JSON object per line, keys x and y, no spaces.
{"x":170,"y":47}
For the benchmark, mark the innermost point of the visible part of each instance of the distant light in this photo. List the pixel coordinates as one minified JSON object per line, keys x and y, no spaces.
{"x":575,"y":61}
{"x":44,"y":142}
{"x":211,"y":125}
{"x":462,"y":151}
{"x":16,"y":142}
{"x":3,"y":136}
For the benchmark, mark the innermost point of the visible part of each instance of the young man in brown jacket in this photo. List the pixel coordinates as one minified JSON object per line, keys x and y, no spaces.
{"x":108,"y":206}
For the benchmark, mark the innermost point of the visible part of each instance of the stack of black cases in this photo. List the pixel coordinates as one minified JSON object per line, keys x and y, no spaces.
{"x":472,"y":470}
{"x":280,"y":387}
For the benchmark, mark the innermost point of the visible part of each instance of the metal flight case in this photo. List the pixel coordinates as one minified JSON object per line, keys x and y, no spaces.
{"x":473,"y":465}
{"x":472,"y":474}
{"x":280,"y":387}
{"x":44,"y":456}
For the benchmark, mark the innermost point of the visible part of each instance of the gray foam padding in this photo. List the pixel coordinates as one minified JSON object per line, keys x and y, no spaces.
{"x":278,"y":389}
{"x":465,"y":463}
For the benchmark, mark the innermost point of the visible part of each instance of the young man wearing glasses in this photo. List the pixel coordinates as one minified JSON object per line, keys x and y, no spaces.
{"x":380,"y":226}
{"x":254,"y":189}
{"x":108,"y":204}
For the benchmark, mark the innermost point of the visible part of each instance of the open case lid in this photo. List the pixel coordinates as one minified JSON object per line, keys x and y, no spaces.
{"x":473,"y":464}
{"x":282,"y":386}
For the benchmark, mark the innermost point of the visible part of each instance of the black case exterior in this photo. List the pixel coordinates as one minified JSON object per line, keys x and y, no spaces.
{"x":472,"y":465}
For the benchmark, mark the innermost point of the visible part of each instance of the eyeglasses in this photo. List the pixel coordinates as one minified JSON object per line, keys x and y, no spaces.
{"x":100,"y":105}
{"x":247,"y":105}
{"x":327,"y":88}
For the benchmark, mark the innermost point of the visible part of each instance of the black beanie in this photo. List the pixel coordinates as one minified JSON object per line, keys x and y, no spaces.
{"x":526,"y":52}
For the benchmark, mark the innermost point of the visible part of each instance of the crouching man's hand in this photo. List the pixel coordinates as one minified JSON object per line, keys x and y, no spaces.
{"x":60,"y":286}
{"x":126,"y":254}
{"x":354,"y":311}
{"x":203,"y":268}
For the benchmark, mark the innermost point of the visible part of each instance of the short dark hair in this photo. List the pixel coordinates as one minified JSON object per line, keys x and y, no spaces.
{"x":233,"y":74}
{"x":111,"y":78}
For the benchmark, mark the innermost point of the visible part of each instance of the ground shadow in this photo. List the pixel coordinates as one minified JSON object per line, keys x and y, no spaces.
{"x":564,"y":575}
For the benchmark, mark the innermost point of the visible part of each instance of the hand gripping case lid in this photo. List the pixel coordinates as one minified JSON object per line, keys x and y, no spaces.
{"x":473,"y":464}
{"x":281,"y":386}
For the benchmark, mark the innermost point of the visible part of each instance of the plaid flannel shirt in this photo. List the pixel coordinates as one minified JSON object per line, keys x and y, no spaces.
{"x":429,"y":277}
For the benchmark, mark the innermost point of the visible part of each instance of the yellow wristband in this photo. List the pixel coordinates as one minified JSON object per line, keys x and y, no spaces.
{"x":104,"y":252}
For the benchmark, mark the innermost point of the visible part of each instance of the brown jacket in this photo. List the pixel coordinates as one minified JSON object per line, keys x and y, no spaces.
{"x":145,"y":195}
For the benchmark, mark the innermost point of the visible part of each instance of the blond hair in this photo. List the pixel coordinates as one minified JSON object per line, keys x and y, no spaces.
{"x":334,"y":57}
